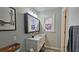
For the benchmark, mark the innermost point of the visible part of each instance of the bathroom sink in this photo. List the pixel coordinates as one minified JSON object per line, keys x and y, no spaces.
{"x":37,"y":37}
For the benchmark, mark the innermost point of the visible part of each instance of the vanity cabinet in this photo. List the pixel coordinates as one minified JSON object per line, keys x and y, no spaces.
{"x":35,"y":43}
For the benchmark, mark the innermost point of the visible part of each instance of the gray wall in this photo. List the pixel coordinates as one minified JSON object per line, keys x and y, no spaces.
{"x":7,"y":37}
{"x":73,"y":18}
{"x":53,"y":38}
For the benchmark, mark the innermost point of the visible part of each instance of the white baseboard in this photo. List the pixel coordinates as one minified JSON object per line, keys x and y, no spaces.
{"x":53,"y":48}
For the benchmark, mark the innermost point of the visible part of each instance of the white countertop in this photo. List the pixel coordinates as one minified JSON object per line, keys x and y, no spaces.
{"x":37,"y":37}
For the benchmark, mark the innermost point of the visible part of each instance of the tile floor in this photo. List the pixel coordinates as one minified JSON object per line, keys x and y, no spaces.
{"x":50,"y":50}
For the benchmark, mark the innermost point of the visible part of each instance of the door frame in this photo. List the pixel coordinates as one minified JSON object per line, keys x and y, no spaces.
{"x":64,"y":29}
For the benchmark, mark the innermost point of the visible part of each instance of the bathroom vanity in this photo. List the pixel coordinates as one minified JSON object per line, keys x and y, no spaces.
{"x":35,"y":43}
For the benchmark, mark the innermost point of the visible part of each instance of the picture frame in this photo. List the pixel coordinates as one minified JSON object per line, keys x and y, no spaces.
{"x":7,"y":19}
{"x":49,"y":23}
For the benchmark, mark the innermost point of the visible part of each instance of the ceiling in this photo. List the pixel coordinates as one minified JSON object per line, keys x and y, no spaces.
{"x":40,"y":9}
